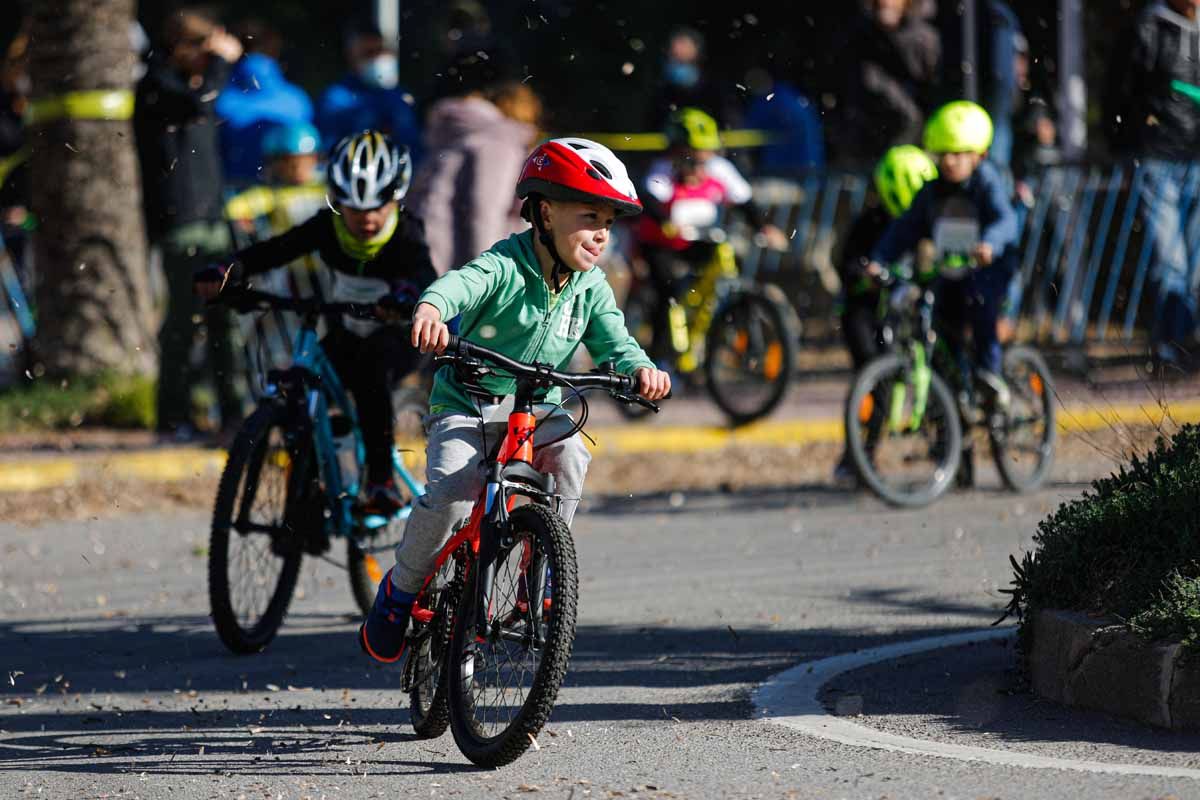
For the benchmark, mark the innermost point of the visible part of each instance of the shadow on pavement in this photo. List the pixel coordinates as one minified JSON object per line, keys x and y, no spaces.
{"x":162,"y":696}
{"x":977,"y":695}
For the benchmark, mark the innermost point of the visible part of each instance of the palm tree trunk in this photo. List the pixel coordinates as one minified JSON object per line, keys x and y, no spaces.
{"x":95,"y":310}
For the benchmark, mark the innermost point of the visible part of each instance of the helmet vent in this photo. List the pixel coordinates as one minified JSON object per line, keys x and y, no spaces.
{"x":578,"y":145}
{"x":603,"y":170}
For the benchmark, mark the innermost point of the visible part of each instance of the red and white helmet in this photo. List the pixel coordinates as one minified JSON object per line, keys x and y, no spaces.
{"x":579,"y":170}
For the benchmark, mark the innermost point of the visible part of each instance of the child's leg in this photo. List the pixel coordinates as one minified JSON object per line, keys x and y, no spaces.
{"x":453,"y":451}
{"x":566,"y":460}
{"x":986,"y":294}
{"x":367,"y":366}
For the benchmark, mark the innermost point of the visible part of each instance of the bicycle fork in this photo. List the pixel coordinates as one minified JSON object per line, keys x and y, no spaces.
{"x":919,"y":376}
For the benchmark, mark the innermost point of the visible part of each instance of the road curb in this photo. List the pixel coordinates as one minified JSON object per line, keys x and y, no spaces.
{"x":792,"y":699}
{"x":1100,"y":665}
{"x":182,"y":463}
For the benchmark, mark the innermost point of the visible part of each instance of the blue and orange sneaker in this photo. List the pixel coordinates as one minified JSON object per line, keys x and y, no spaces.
{"x":381,"y":635}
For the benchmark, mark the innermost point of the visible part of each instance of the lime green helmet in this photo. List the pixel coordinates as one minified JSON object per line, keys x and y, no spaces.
{"x":901,"y":173}
{"x":959,"y":127}
{"x":691,"y":127}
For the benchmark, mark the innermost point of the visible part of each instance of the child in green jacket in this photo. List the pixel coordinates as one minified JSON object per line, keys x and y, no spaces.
{"x":535,"y":296}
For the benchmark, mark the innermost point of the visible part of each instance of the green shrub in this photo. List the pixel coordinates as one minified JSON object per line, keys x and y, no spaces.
{"x":1175,"y":615}
{"x":119,"y":401}
{"x":1129,"y":547}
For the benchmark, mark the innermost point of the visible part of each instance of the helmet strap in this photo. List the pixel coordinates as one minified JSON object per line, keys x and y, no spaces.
{"x":535,"y":215}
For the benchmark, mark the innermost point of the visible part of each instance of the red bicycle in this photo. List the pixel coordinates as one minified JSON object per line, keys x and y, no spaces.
{"x":494,"y":624}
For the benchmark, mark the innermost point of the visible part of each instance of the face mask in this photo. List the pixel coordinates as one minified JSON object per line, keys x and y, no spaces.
{"x":681,"y":73}
{"x":381,"y":72}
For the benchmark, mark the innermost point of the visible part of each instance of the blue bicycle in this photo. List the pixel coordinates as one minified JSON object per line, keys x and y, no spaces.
{"x":290,"y":487}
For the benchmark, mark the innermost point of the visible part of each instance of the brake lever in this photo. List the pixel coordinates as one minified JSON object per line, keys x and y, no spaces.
{"x":637,"y":399}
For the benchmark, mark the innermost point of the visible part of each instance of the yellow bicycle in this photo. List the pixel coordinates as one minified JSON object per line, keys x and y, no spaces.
{"x":740,"y":335}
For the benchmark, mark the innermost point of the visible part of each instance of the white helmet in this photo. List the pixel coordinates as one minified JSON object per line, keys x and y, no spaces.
{"x":367,"y":170}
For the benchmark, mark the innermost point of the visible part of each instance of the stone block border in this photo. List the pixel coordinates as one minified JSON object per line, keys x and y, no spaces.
{"x":1081,"y":661}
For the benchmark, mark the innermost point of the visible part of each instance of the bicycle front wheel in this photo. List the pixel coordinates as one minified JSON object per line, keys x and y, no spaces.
{"x":254,"y":554}
{"x":503,"y":683}
{"x":750,"y":355}
{"x":1024,"y":437}
{"x":905,"y":441}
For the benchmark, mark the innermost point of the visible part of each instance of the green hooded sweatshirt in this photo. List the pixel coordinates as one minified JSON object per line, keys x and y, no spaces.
{"x":506,"y":305}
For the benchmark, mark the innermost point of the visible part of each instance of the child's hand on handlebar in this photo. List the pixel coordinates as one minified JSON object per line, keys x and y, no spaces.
{"x":982,"y":254}
{"x":653,"y":384}
{"x":428,"y":330}
{"x":774,"y":238}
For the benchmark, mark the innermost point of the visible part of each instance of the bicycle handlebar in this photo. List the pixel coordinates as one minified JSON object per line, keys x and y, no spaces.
{"x":245,"y":300}
{"x":622,"y":387}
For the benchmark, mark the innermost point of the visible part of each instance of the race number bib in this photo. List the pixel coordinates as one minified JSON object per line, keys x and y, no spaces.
{"x":955,"y":236}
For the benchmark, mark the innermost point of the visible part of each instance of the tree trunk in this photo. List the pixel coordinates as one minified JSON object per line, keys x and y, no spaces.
{"x":95,"y":310}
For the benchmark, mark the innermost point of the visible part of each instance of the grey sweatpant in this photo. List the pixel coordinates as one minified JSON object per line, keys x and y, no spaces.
{"x":453,"y":452}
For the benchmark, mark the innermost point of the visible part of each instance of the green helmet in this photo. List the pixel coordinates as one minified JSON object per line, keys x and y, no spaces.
{"x":691,"y":127}
{"x":959,"y":127}
{"x":900,"y":174}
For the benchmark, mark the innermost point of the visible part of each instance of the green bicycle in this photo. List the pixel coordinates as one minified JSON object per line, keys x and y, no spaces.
{"x":909,"y":410}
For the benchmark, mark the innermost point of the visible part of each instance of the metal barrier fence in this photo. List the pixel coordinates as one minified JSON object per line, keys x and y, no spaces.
{"x":1086,"y":264}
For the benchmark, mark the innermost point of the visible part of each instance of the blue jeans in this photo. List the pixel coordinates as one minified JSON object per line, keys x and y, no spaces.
{"x":1170,"y":194}
{"x":976,"y":301}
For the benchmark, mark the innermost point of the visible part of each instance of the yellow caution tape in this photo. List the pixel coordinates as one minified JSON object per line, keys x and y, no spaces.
{"x":11,"y":162}
{"x":110,"y":104}
{"x":658,"y":141}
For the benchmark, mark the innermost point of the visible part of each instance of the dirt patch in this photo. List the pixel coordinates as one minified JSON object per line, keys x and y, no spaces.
{"x":1081,"y":457}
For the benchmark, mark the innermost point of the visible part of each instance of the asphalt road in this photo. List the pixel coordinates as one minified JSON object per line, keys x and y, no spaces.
{"x":114,"y":685}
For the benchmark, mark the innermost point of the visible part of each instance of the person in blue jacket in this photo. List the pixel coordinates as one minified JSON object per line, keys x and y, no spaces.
{"x":969,"y":195}
{"x":369,"y":96}
{"x":257,"y":98}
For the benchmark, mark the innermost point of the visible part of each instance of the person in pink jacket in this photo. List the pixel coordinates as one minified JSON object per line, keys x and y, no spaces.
{"x":472,"y":147}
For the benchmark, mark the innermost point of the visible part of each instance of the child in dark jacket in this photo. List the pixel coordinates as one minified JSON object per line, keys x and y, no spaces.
{"x":967,"y":203}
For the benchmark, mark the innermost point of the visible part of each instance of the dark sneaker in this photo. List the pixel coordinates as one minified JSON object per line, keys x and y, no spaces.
{"x":383,"y":499}
{"x":381,"y":635}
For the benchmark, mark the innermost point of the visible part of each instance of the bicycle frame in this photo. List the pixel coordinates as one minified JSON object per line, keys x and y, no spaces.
{"x":700,"y":304}
{"x":322,"y":388}
{"x":484,"y":531}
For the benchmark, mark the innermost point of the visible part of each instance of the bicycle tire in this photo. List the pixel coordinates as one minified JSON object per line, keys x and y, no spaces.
{"x":429,"y":703}
{"x":540,"y":525}
{"x":1029,"y":379}
{"x":868,"y":385}
{"x":409,"y":404}
{"x":243,"y":471}
{"x":750,"y":305}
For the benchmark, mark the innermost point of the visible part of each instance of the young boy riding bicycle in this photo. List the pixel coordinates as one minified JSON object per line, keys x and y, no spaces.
{"x":535,"y":297}
{"x":376,"y":253}
{"x":966,"y":206}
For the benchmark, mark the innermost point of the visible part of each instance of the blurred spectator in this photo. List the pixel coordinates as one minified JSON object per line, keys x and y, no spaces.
{"x":884,"y":97}
{"x":175,"y":124}
{"x":1003,"y":45}
{"x":477,"y":138}
{"x":792,"y":121}
{"x":683,"y":84}
{"x":1037,"y":145}
{"x":369,"y":96}
{"x":1148,"y":120}
{"x":15,"y":218}
{"x":257,"y":98}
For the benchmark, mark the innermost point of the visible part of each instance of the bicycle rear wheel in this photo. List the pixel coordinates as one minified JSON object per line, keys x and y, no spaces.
{"x":1024,"y":440}
{"x":425,"y":673}
{"x":368,"y":550}
{"x":254,"y":551}
{"x":503,"y":685}
{"x":906,"y":445}
{"x":750,"y":356}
